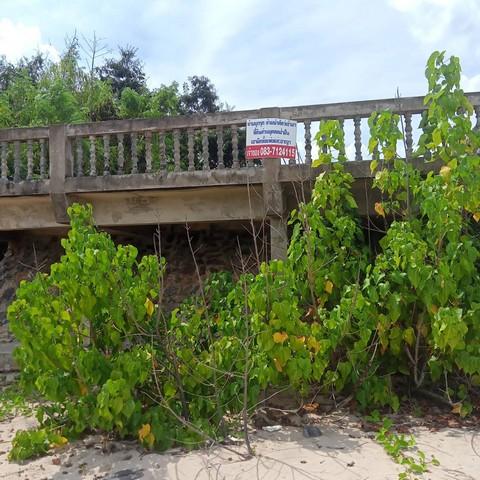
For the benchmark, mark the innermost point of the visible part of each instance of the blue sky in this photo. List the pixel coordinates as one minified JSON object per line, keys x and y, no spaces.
{"x":265,"y":52}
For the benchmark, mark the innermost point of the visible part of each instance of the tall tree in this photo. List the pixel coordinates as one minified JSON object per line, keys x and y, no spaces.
{"x":199,"y":96}
{"x":124,"y":72}
{"x":7,"y":72}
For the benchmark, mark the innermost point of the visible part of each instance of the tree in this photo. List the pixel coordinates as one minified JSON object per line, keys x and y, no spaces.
{"x":35,"y":67}
{"x":199,"y":96}
{"x":84,"y":86}
{"x":124,"y":72}
{"x":7,"y":72}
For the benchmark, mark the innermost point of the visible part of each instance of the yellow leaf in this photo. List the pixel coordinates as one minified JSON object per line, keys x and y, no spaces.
{"x":61,"y":441}
{"x":328,"y":286}
{"x":278,"y":365}
{"x":149,"y":306}
{"x":301,"y":339}
{"x":409,"y":336}
{"x":476,"y":216}
{"x":433,"y":309}
{"x":379,"y":209}
{"x":457,"y":408}
{"x":280,"y":337}
{"x":445,"y":171}
{"x":150,"y":439}
{"x":144,"y":431}
{"x":313,"y":343}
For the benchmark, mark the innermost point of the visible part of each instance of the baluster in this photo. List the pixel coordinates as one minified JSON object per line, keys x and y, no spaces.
{"x":308,"y":143}
{"x":148,"y":152}
{"x":191,"y":154}
{"x":16,"y":161}
{"x":162,"y":151}
{"x":408,"y":135}
{"x":358,"y":138}
{"x":205,"y":159}
{"x":121,"y":157}
{"x":106,"y":154}
{"x":29,"y":160}
{"x":235,"y":162}
{"x":133,"y":138}
{"x":43,"y":163}
{"x":93,"y":157}
{"x":176,"y":150}
{"x":79,"y":142}
{"x":220,"y":146}
{"x":341,"y":152}
{"x":4,"y":161}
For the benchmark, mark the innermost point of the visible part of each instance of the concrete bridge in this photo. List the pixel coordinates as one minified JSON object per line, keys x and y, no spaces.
{"x":175,"y":169}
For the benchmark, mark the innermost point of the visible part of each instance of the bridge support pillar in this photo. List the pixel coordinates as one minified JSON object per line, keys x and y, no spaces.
{"x":60,"y":157}
{"x":275,"y":208}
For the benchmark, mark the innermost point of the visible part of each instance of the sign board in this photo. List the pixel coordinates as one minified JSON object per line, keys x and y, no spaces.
{"x":271,"y":138}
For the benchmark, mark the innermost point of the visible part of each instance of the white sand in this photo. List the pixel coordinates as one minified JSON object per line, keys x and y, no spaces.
{"x":342,"y":452}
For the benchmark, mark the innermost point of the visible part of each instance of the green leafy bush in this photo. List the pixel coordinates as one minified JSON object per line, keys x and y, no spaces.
{"x":34,"y":443}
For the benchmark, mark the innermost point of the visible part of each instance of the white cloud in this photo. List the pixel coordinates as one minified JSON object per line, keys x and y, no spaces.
{"x":442,"y":23}
{"x":471,"y":84}
{"x":411,"y":5}
{"x":219,"y":22}
{"x":18,"y":40}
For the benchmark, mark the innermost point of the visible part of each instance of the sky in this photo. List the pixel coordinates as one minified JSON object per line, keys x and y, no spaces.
{"x":262,"y":53}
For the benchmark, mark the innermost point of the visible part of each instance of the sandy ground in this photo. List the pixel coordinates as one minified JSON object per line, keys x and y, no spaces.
{"x":343,"y":451}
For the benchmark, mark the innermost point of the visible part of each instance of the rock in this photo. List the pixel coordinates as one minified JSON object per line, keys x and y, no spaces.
{"x":310,"y":431}
{"x":272,"y":428}
{"x":127,"y":474}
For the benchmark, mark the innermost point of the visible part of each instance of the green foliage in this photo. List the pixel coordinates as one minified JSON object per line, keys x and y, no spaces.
{"x":37,"y":91}
{"x":75,"y":325}
{"x":331,"y":141}
{"x":402,"y":448}
{"x":34,"y":443}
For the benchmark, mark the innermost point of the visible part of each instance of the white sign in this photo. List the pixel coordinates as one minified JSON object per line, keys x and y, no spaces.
{"x":271,"y":138}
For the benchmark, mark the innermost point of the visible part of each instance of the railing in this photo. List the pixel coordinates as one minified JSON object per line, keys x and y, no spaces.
{"x":183,"y":143}
{"x":24,"y":154}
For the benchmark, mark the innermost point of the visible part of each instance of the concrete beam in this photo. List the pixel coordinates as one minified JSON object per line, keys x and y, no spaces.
{"x":140,"y":207}
{"x":175,"y":206}
{"x":275,"y":207}
{"x":61,"y":166}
